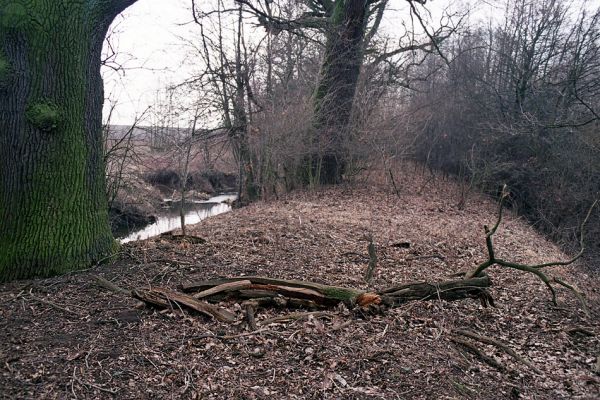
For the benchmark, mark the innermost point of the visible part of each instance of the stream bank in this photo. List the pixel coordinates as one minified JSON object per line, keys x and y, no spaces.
{"x":153,"y":197}
{"x":169,"y":219}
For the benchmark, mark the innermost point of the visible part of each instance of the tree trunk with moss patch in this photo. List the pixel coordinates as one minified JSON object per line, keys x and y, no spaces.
{"x":53,"y":208}
{"x":336,"y":88}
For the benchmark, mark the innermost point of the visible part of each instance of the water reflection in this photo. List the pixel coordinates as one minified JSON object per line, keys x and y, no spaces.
{"x":195,"y":212}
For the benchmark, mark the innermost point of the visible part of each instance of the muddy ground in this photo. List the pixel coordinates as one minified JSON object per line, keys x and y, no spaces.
{"x":67,"y":337}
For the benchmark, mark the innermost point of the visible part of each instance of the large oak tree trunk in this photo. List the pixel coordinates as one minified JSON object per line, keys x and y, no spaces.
{"x":336,"y":88}
{"x":53,"y":208}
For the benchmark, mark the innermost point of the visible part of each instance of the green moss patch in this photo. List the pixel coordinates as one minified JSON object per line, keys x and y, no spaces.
{"x":44,"y":115}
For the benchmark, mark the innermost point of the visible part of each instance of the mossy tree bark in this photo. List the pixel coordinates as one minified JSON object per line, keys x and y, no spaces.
{"x":336,"y":88}
{"x":53,"y":208}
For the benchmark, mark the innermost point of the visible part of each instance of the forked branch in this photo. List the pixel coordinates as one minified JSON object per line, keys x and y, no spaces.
{"x":535,"y":269}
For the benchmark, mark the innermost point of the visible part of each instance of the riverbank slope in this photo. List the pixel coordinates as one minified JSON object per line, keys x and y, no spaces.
{"x":67,"y":337}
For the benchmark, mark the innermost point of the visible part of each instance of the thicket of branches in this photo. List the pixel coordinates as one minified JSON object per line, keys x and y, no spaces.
{"x":519,"y":104}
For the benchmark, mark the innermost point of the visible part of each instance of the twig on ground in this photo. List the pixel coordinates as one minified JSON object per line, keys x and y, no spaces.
{"x":110,"y":286}
{"x":228,"y":337}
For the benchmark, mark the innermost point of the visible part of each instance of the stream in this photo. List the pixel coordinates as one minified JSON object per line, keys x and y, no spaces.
{"x":170,"y":220}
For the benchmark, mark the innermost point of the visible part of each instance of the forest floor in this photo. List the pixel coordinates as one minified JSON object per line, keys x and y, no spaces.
{"x":67,"y":337}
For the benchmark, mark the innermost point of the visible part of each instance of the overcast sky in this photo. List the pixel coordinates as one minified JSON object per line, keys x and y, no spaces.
{"x":146,"y":38}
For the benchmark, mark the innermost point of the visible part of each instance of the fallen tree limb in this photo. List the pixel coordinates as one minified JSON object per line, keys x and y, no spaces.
{"x":474,"y":350}
{"x":500,"y":345}
{"x":333,"y":292}
{"x":110,"y":286}
{"x":327,"y":296}
{"x":577,"y":293}
{"x":445,"y":290}
{"x":226,"y":287}
{"x":163,"y":298}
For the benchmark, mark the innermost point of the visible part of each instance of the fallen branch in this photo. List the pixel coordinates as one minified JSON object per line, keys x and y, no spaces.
{"x":500,"y":345}
{"x":163,"y":297}
{"x":226,"y":287}
{"x":474,"y":350}
{"x":445,"y":290}
{"x":323,"y":295}
{"x":577,"y":293}
{"x":110,"y":286}
{"x":318,"y":295}
{"x":581,"y":330}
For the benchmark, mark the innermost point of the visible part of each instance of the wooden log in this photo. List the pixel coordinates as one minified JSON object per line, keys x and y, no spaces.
{"x":327,"y":295}
{"x":445,"y":290}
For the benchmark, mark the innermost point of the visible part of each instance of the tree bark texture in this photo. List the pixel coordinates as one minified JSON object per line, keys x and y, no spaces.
{"x":335,"y":91}
{"x":53,"y":207}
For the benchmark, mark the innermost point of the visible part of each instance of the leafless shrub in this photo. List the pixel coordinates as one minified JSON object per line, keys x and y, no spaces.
{"x":518,"y":105}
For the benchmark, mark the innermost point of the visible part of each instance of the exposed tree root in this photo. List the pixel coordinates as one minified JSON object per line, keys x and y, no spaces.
{"x":164,"y":298}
